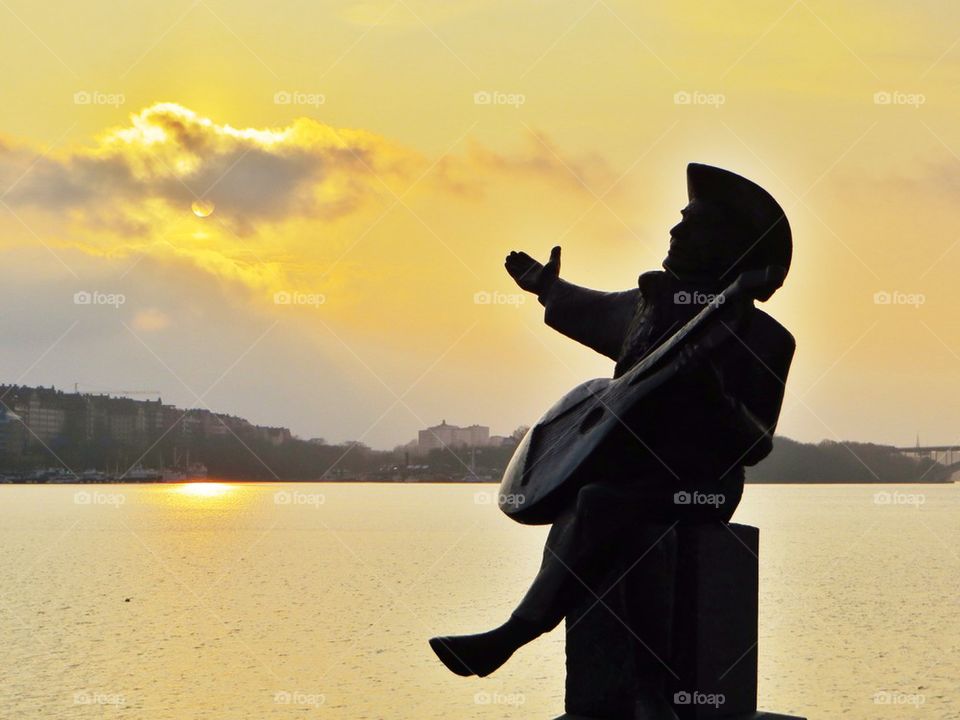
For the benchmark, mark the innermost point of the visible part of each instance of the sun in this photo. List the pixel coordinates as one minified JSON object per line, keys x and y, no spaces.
{"x":202,"y":208}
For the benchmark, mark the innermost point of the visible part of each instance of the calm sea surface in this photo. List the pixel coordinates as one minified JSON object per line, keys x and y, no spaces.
{"x":294,"y":601}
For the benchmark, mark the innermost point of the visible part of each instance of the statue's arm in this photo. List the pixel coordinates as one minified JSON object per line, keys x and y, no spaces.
{"x":597,"y":319}
{"x":756,"y":406}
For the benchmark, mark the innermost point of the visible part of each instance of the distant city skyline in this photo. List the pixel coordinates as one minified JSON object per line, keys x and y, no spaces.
{"x":43,"y":414}
{"x":474,"y":434}
{"x":44,"y":418}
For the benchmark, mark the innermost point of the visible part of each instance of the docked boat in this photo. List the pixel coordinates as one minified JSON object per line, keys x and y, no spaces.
{"x":60,"y":478}
{"x":138,"y":473}
{"x":50,"y":475}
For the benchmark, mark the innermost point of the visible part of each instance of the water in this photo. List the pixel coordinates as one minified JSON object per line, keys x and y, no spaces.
{"x":236,"y":602}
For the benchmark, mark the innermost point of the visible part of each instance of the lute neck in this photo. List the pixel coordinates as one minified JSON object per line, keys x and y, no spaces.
{"x":732,"y":296}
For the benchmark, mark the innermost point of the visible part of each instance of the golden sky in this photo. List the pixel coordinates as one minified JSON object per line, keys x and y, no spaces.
{"x":369,"y":164}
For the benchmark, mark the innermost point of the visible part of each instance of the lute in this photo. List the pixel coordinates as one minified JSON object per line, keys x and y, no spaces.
{"x":556,"y":454}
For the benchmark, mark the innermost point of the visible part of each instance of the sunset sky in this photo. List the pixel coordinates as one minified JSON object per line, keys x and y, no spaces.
{"x":373,"y":162}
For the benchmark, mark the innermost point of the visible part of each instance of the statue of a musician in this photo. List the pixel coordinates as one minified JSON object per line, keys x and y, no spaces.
{"x":693,"y":434}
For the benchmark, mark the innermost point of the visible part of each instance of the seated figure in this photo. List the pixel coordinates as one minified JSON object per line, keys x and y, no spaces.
{"x":693,"y":435}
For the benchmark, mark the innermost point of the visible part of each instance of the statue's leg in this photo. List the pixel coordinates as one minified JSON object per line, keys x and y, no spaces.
{"x":573,"y":557}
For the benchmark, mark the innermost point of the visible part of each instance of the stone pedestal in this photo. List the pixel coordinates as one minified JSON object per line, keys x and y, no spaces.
{"x":671,"y":632}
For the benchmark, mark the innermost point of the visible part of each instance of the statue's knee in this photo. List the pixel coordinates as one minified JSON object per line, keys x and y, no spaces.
{"x":591,"y":496}
{"x":600,"y":507}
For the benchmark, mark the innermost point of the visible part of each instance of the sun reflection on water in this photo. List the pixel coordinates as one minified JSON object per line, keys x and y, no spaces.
{"x":204,"y":489}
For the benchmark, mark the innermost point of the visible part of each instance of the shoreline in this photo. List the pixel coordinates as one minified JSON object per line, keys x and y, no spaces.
{"x":358,"y":481}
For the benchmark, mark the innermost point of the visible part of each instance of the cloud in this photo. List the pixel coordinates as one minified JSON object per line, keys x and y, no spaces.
{"x":168,"y":156}
{"x":545,"y":159}
{"x":287,"y":202}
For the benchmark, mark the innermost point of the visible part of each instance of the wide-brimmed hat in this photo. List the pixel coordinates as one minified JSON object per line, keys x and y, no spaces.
{"x":768,"y":239}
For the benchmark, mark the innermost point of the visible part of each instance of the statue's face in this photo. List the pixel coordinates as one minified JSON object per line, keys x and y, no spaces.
{"x":704,"y":245}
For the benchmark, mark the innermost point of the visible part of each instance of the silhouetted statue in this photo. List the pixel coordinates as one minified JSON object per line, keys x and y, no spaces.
{"x":712,"y":409}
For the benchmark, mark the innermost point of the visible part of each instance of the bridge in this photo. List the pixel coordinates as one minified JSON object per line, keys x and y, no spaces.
{"x":946,"y":456}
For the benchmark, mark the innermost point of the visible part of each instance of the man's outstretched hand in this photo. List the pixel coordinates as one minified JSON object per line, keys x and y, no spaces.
{"x":531,"y":275}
